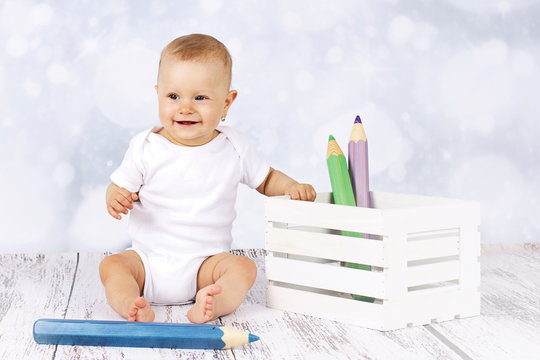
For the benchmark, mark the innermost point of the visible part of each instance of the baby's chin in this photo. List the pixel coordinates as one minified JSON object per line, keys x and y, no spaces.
{"x":189,"y":135}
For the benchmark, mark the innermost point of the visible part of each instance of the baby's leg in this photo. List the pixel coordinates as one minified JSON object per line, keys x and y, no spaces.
{"x":223,"y":282}
{"x":123,"y":277}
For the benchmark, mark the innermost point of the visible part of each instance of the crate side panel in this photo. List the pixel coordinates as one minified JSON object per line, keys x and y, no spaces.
{"x":325,"y":276}
{"x":326,"y":246}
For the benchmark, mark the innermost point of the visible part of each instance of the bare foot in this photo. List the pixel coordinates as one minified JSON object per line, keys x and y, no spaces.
{"x":141,"y":311}
{"x":203,"y":309}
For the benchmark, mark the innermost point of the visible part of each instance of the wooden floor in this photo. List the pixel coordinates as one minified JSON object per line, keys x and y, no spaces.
{"x":36,"y":286}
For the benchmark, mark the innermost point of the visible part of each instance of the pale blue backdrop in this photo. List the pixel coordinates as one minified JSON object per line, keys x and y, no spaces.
{"x":448,"y":91}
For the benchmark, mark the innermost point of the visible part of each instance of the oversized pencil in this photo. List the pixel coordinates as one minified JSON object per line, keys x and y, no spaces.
{"x":358,"y":163}
{"x":342,"y":192}
{"x":138,"y":334}
{"x":339,"y":175}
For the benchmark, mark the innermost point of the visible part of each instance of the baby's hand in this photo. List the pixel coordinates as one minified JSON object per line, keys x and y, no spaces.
{"x":119,"y":201}
{"x":304,"y":192}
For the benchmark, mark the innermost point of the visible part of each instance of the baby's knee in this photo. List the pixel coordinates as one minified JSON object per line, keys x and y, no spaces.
{"x":112,"y":264}
{"x":108,"y":263}
{"x":249,"y":269}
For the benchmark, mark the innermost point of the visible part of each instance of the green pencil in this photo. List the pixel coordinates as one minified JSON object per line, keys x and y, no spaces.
{"x":339,"y":174}
{"x":342,"y":192}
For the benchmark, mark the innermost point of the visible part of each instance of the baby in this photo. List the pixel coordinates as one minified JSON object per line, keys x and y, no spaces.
{"x":180,"y":181}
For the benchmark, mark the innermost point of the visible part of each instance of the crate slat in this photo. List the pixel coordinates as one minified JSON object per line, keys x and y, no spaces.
{"x":420,"y":310}
{"x":328,"y":216}
{"x":325,"y":276}
{"x":433,"y":273}
{"x":435,"y":247}
{"x":328,"y":307}
{"x":325,"y":246}
{"x":432,"y":307}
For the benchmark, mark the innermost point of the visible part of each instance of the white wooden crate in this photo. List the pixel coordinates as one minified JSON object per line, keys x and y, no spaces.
{"x":423,"y":252}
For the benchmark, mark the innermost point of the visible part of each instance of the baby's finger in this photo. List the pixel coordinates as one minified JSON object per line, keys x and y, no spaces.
{"x":124,"y":201}
{"x":113,"y":213}
{"x":294,"y":194}
{"x":313,"y":194}
{"x":302,"y":193}
{"x":126,"y":194}
{"x":118,"y":207}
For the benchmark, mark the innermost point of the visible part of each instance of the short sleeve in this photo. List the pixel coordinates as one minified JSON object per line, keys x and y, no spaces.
{"x":130,"y":174}
{"x":254,"y":168}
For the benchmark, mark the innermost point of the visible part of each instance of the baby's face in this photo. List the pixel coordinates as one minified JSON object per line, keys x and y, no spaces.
{"x":193,"y":96}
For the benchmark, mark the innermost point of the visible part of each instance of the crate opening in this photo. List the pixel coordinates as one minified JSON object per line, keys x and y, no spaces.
{"x":326,"y":262}
{"x":322,"y":230}
{"x":445,"y":285}
{"x":336,"y":294}
{"x":441,"y":259}
{"x":433,"y":235}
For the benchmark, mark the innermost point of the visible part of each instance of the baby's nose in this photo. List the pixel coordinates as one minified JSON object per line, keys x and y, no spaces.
{"x":186,"y":107}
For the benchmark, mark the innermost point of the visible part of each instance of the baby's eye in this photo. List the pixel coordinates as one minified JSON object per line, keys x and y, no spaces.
{"x":173,"y":96}
{"x":200,"y":97}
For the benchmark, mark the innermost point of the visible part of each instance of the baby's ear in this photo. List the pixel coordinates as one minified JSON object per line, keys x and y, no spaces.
{"x":230,"y":98}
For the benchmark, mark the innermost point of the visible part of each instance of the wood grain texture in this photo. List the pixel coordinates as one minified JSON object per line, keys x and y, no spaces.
{"x":509,"y":325}
{"x":31,"y":286}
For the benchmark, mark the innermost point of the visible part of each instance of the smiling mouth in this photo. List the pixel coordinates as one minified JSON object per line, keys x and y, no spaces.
{"x":186,"y":123}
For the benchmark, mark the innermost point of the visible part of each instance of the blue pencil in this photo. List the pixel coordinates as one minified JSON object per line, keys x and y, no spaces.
{"x":139,"y":334}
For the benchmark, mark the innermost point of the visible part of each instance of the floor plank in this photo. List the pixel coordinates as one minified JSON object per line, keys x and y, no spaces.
{"x":88,"y":302}
{"x":509,"y":325}
{"x":31,"y":287}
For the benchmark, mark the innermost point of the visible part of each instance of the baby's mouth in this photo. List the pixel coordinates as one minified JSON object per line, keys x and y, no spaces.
{"x":186,"y":123}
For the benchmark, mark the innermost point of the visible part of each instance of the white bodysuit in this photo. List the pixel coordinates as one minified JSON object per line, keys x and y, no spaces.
{"x":186,"y":205}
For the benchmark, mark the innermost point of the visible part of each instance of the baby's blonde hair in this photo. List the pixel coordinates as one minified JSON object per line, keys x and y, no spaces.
{"x":198,"y":47}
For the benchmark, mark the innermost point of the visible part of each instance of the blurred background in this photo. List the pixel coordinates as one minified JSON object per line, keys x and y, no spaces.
{"x":447,"y":90}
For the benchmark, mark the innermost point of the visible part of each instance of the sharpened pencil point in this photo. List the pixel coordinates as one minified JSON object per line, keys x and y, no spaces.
{"x":331,"y":137}
{"x":357,"y":120}
{"x":253,"y":338}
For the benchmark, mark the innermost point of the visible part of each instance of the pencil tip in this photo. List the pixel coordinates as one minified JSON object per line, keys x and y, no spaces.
{"x":357,"y":120}
{"x":253,"y":338}
{"x":331,"y":137}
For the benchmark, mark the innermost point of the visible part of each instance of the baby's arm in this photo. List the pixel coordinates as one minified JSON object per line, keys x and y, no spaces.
{"x":119,"y":200}
{"x":277,"y":183}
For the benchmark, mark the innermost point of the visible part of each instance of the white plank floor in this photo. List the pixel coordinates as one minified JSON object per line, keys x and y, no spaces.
{"x":35,"y":286}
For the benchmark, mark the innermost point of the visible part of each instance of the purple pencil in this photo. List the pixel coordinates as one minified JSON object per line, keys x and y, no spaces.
{"x":358,"y":163}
